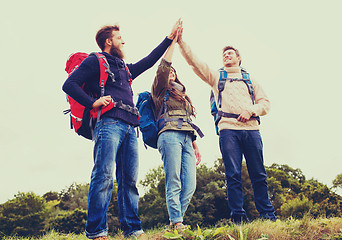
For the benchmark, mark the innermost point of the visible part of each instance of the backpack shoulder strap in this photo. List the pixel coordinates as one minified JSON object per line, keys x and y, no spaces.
{"x":223,"y":78}
{"x":221,"y":85}
{"x":129,"y":74}
{"x":103,"y":64}
{"x":163,"y":108}
{"x":104,"y":72}
{"x":248,"y":82}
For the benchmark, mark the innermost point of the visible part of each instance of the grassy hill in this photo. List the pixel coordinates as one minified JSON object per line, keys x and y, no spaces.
{"x":306,"y":228}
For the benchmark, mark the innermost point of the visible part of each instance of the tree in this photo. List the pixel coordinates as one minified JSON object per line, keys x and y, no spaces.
{"x":51,"y":196}
{"x":327,"y":203}
{"x":287,"y":186}
{"x":209,"y":203}
{"x":67,"y":209}
{"x":70,"y":213}
{"x":281,"y":186}
{"x":337,"y":183}
{"x":24,"y":215}
{"x":75,"y":197}
{"x":293,"y":173}
{"x":152,"y":206}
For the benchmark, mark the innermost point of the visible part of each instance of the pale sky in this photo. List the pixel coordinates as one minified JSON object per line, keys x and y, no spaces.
{"x":292,"y":48}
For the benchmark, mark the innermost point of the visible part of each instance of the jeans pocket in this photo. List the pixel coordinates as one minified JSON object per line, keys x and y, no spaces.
{"x":104,"y":127}
{"x":108,"y":121}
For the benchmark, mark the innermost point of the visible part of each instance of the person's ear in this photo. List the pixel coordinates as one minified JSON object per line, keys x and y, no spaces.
{"x":108,"y":42}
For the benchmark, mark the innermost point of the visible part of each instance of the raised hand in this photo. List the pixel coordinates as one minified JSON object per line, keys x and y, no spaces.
{"x":175,"y":28}
{"x":180,"y":33}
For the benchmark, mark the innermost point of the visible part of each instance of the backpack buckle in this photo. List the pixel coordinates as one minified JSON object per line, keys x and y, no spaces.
{"x":180,"y":123}
{"x":221,"y":85}
{"x":111,"y":75}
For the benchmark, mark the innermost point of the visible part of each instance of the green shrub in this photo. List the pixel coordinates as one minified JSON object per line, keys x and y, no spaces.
{"x":70,"y":221}
{"x":24,"y":215}
{"x":296,"y":207}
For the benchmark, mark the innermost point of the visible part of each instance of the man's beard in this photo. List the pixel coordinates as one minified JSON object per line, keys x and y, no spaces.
{"x":116,"y":52}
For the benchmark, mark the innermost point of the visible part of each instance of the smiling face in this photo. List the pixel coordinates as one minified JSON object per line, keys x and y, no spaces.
{"x":230,"y":58}
{"x":172,"y":75}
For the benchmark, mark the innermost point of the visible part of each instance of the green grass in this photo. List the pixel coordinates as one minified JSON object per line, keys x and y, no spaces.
{"x":306,"y":228}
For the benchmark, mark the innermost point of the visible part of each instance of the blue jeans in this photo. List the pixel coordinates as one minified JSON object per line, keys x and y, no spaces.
{"x":234,"y":144}
{"x":180,"y":171}
{"x":115,"y":145}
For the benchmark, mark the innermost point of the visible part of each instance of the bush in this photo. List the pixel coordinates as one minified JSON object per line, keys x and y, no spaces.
{"x":24,"y":215}
{"x":70,"y":221}
{"x":297,"y":207}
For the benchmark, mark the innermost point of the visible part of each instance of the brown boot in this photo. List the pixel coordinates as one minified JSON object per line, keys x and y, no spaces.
{"x":143,"y":237}
{"x":180,"y":227}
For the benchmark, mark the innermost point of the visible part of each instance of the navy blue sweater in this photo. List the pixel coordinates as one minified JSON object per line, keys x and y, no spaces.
{"x":89,"y":71}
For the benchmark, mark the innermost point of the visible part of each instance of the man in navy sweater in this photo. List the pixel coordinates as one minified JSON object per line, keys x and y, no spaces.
{"x":114,"y":135}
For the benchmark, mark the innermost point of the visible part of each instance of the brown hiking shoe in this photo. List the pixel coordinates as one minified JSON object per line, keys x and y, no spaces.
{"x":143,"y":236}
{"x":101,"y":238}
{"x":180,"y":227}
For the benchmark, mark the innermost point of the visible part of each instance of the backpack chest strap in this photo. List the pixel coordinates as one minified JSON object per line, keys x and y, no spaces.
{"x":127,"y":108}
{"x":180,"y":121}
{"x":221,"y":114}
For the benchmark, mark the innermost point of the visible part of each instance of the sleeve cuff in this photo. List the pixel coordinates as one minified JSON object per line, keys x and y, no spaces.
{"x":165,"y":63}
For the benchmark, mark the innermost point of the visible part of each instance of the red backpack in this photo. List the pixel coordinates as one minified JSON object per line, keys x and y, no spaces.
{"x":83,"y":120}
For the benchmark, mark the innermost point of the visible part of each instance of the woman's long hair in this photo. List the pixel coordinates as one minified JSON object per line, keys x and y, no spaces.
{"x":180,"y":96}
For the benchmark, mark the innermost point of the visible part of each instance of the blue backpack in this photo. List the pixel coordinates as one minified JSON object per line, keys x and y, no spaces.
{"x":218,"y":114}
{"x":151,"y":123}
{"x":149,"y":120}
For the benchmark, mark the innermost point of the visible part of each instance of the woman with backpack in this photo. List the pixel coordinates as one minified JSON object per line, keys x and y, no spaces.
{"x":176,"y":141}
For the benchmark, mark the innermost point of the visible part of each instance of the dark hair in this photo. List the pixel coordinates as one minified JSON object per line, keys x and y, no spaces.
{"x":232,"y":48}
{"x":180,"y":96}
{"x":104,"y":33}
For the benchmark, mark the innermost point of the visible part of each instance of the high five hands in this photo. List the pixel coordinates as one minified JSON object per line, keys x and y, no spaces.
{"x":177,"y":28}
